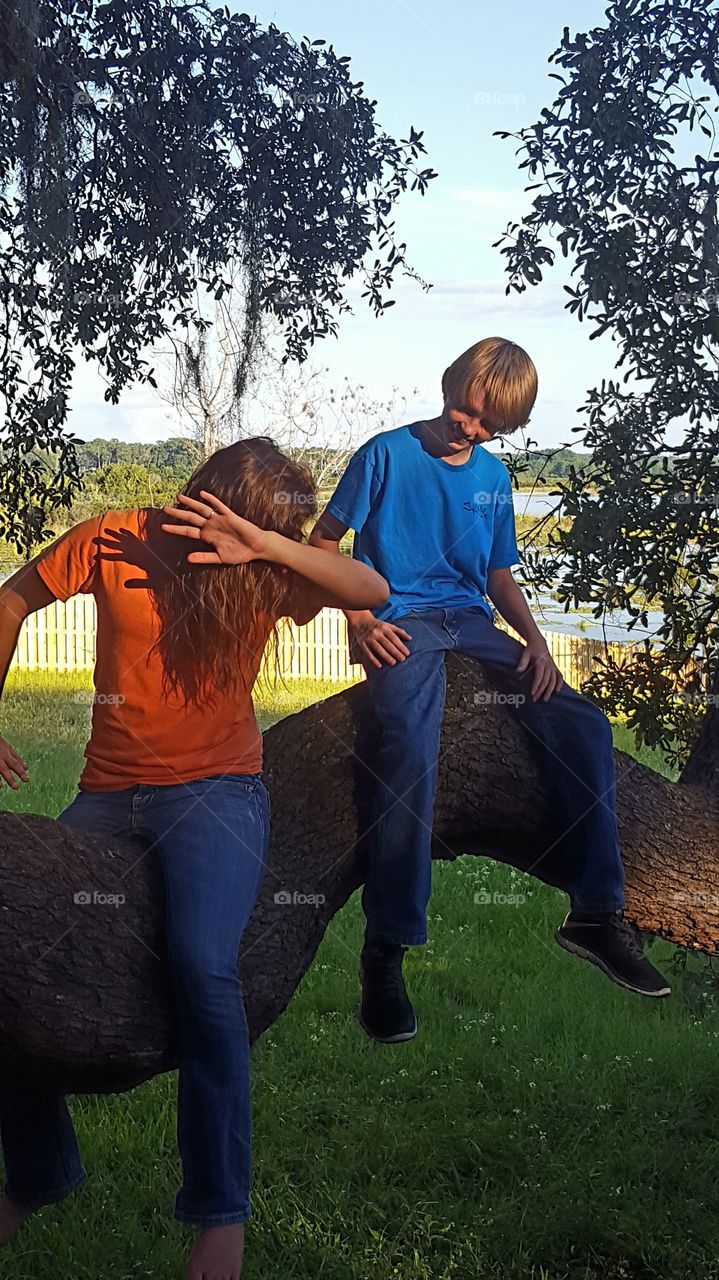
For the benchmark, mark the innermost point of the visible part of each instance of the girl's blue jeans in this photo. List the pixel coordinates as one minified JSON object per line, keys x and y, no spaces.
{"x":211,"y":836}
{"x":571,"y":739}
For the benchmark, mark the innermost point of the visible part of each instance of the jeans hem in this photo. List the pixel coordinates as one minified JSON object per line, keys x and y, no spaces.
{"x":597,"y":908}
{"x":50,"y":1197}
{"x":212,"y":1219}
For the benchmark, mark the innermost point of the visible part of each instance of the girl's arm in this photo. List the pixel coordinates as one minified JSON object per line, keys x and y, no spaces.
{"x":332,"y":580}
{"x":24,"y":593}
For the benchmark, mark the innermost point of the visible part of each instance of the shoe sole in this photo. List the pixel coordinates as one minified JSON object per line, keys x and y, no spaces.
{"x":575,"y":950}
{"x":398,"y":1039}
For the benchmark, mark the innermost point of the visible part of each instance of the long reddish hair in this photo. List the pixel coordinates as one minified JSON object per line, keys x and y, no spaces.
{"x":215,"y":620}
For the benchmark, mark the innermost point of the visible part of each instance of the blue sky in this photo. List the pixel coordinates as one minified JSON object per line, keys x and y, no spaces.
{"x":458,"y":71}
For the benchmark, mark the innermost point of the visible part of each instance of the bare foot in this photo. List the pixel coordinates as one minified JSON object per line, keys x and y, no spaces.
{"x":217,"y":1253}
{"x":12,"y":1217}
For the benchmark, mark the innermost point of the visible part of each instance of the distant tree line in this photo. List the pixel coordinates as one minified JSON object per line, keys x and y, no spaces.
{"x":179,"y":456}
{"x":120,"y":473}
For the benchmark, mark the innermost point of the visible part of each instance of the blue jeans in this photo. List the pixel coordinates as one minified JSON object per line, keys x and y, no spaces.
{"x":211,"y":836}
{"x":572,"y":740}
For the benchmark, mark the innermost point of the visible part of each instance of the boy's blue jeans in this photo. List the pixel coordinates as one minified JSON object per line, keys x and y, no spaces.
{"x":572,"y":740}
{"x":211,"y":836}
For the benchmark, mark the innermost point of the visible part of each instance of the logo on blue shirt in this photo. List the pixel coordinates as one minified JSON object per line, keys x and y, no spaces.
{"x":478,"y":508}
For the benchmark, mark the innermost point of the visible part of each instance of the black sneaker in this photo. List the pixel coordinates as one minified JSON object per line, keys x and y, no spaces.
{"x":385,"y":1013}
{"x":613,"y":944}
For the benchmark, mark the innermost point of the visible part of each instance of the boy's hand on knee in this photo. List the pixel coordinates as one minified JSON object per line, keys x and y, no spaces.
{"x":381,"y":643}
{"x":545,"y":674}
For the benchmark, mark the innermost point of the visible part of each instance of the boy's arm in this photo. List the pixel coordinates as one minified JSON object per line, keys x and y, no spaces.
{"x":24,"y":593}
{"x":380,"y":642}
{"x":509,"y":600}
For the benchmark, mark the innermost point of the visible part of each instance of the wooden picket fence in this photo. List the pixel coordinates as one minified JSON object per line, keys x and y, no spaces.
{"x":62,"y":638}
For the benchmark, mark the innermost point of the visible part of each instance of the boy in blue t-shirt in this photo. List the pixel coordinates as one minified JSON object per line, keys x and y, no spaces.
{"x":432,"y":512}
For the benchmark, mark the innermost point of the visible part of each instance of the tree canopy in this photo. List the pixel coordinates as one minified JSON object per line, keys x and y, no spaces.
{"x":625,"y":163}
{"x":149,"y":149}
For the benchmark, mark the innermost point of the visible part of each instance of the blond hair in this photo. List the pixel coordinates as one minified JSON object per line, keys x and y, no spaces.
{"x":505,"y":375}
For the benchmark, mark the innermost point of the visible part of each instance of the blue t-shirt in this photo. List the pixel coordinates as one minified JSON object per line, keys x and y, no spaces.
{"x":432,"y":528}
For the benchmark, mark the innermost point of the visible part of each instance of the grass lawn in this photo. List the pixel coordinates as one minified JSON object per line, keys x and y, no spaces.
{"x":544,"y":1125}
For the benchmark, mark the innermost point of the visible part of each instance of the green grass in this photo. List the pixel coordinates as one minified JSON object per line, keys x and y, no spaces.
{"x":544,"y":1125}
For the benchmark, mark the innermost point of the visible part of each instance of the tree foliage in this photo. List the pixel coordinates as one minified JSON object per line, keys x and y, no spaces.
{"x":148,"y":148}
{"x":626,"y":167}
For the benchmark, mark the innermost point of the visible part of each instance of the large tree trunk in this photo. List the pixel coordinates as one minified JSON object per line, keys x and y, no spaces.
{"x":84,"y":1001}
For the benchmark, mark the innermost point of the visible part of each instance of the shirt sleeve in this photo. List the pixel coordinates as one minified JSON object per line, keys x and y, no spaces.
{"x":68,"y":565}
{"x":352,"y":500}
{"x":504,"y":552}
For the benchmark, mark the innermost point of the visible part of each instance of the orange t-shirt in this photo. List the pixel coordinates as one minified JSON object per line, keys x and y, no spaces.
{"x":139,"y":732}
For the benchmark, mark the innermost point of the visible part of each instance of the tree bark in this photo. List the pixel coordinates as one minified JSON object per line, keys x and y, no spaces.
{"x":84,"y":998}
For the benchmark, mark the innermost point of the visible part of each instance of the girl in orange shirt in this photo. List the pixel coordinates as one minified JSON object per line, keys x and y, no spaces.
{"x":175,"y":755}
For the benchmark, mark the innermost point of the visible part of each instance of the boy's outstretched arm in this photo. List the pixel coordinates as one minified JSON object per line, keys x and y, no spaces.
{"x":379,"y":642}
{"x":510,"y":601}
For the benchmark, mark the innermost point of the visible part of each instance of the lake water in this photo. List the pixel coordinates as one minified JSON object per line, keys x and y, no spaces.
{"x":533,"y":504}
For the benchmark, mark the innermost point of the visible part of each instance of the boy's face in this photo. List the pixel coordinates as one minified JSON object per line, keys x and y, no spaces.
{"x":466,"y":423}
